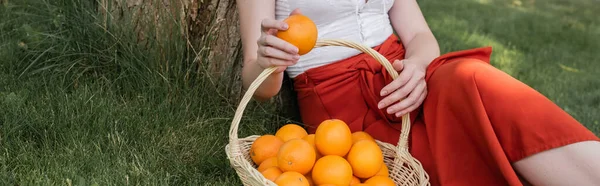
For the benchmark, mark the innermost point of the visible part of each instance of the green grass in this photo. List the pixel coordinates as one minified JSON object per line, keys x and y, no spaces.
{"x":549,"y":45}
{"x":84,"y":106}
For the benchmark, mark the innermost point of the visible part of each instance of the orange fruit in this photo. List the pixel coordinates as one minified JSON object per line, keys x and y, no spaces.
{"x":264,"y":147}
{"x":271,"y":173}
{"x":302,"y":33}
{"x":291,"y":178}
{"x":354,"y":181}
{"x":296,"y":155}
{"x":291,"y":131}
{"x":360,"y":184}
{"x":383,"y":171}
{"x":311,"y":140}
{"x":328,"y":184}
{"x":309,"y":179}
{"x":366,"y":158}
{"x":268,"y":163}
{"x":333,"y":137}
{"x":360,"y":135}
{"x":380,"y":181}
{"x":332,"y":169}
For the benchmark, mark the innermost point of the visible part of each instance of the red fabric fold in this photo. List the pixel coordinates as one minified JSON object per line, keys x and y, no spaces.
{"x":364,"y":73}
{"x":475,"y":122}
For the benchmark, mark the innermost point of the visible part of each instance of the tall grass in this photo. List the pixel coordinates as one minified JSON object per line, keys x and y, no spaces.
{"x":68,"y":40}
{"x":85,"y":103}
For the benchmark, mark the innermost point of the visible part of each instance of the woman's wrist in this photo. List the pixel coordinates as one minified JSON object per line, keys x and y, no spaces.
{"x":422,"y":49}
{"x":420,"y":62}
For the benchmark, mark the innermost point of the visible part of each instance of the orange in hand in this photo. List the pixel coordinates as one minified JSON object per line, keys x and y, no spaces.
{"x":302,"y":33}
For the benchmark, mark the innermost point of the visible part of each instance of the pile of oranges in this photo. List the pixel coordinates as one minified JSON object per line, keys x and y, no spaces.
{"x":333,"y":155}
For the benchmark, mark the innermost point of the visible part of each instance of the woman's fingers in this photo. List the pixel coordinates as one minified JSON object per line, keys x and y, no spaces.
{"x":276,"y":53}
{"x":277,"y":43}
{"x":273,"y":51}
{"x":279,"y":62}
{"x":414,"y":105}
{"x":267,"y":62}
{"x":402,"y":79}
{"x":411,"y":100}
{"x":398,"y":65}
{"x":280,"y":69}
{"x":268,"y":24}
{"x":295,"y":11}
{"x":400,"y":92}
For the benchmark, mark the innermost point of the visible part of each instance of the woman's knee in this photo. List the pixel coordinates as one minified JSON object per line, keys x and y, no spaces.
{"x":463,"y":69}
{"x":458,"y":73}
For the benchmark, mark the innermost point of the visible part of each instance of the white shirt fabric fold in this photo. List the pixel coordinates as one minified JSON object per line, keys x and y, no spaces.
{"x":355,"y":20}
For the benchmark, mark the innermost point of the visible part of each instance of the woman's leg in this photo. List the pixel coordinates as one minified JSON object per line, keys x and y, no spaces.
{"x":480,"y":121}
{"x":575,"y":164}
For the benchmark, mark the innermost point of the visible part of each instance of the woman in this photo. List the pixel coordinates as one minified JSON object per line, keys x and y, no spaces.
{"x":472,"y":124}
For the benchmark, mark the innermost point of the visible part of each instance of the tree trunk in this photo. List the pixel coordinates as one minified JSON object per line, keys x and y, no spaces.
{"x":210,"y":27}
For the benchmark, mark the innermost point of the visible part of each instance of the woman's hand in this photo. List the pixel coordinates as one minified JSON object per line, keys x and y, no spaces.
{"x":261,"y":48}
{"x":407,"y":92}
{"x":410,"y":88}
{"x":273,"y":51}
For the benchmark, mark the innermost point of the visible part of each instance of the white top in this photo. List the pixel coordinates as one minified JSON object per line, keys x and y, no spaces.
{"x":362,"y":21}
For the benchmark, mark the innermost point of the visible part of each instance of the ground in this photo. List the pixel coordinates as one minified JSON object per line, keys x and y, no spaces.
{"x":83,"y":107}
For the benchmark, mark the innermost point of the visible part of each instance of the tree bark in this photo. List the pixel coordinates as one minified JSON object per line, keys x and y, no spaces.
{"x":211,"y":29}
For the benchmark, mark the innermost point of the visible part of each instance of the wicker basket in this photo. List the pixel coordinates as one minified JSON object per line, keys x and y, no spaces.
{"x":403,"y":168}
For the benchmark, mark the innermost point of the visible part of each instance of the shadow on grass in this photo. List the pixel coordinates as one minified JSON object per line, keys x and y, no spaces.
{"x":549,"y":45}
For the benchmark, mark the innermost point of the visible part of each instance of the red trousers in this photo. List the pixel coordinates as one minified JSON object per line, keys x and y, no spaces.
{"x":475,"y":122}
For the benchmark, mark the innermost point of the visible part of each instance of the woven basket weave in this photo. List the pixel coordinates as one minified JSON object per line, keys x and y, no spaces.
{"x":403,"y":168}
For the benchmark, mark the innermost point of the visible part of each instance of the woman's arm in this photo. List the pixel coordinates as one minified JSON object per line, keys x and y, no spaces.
{"x":261,"y":49}
{"x":410,"y":25}
{"x":409,"y":90}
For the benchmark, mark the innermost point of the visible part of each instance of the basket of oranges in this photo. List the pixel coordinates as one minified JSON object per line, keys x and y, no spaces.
{"x":332,"y":155}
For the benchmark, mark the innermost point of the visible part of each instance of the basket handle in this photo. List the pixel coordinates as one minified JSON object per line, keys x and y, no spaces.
{"x":402,"y":143}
